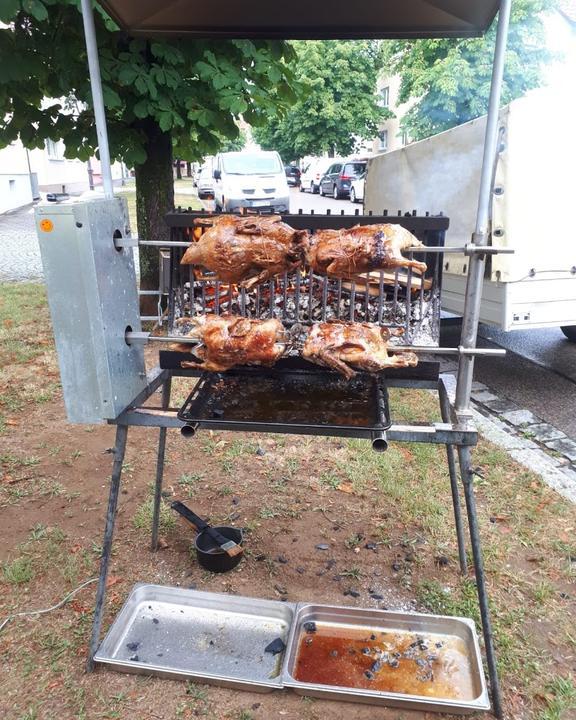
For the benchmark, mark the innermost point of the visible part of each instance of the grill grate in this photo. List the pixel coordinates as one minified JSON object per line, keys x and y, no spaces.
{"x":395,"y":298}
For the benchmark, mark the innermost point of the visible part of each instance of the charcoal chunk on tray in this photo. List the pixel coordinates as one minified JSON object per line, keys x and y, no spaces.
{"x":276,"y":646}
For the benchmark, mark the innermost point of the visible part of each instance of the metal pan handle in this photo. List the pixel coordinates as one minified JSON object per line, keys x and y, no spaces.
{"x":186,"y":513}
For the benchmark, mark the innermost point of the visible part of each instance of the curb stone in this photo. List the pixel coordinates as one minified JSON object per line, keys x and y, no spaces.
{"x":510,"y":433}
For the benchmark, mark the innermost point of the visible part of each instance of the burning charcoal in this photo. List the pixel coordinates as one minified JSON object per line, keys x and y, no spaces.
{"x":376,"y":665}
{"x":351,"y":593}
{"x":275,"y":647}
{"x":393,"y":663}
{"x":420,"y":662}
{"x":155,"y":621}
{"x":414,"y":644}
{"x":334,"y":653}
{"x":396,"y":655}
{"x":431,"y":658}
{"x":133,"y":646}
{"x":282,"y":559}
{"x":134,"y":658}
{"x":366,"y":651}
{"x":439,"y":644}
{"x":372,"y":637}
{"x":310,"y":627}
{"x":369,"y":675}
{"x":323,"y":546}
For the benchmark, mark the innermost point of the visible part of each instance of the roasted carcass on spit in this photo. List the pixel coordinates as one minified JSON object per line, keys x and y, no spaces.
{"x":247,"y":250}
{"x":345,"y":347}
{"x":230,"y":340}
{"x":360,"y":249}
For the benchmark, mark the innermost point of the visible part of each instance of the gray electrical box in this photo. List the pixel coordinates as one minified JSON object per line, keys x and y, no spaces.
{"x":93,"y":299}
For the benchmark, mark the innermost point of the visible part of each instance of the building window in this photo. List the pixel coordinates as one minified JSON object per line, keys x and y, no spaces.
{"x":383,"y":138}
{"x":404,"y":139}
{"x":385,"y":97}
{"x":54,"y":149}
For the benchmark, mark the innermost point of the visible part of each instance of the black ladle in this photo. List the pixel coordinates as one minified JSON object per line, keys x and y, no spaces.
{"x":210,"y":555}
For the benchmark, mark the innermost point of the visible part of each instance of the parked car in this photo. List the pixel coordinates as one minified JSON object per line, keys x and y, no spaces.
{"x":357,"y":189}
{"x":292,"y":175}
{"x":339,"y":176}
{"x":250,"y":179}
{"x":205,"y":182}
{"x":312,"y":174}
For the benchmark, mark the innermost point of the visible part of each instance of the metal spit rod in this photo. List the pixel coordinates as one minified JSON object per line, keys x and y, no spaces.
{"x":144,"y":337}
{"x":469,"y":249}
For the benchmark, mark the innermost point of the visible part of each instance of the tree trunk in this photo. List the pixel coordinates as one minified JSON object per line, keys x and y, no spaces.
{"x":154,"y":198}
{"x":178,"y":169}
{"x":188,"y":169}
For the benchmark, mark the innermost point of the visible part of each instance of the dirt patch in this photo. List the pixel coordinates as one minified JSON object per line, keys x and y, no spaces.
{"x":385,"y":520}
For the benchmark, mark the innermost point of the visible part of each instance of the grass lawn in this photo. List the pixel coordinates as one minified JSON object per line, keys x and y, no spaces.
{"x":289,"y":493}
{"x":184,"y":196}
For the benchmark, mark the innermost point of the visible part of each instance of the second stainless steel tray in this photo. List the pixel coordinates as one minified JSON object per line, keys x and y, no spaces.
{"x":176,"y":632}
{"x":425,"y":662}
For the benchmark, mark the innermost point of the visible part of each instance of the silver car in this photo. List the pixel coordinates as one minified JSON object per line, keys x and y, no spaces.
{"x":205,"y":183}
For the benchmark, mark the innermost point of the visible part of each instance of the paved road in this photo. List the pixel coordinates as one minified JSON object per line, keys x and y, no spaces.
{"x":308,"y":202}
{"x":538,"y":372}
{"x":19,"y":253}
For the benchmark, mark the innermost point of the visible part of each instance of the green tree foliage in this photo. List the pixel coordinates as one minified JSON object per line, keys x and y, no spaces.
{"x":340,"y":106}
{"x":448,"y":81}
{"x":160,"y":96}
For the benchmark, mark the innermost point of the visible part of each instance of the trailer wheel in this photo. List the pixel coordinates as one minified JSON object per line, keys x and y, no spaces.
{"x":570,"y":332}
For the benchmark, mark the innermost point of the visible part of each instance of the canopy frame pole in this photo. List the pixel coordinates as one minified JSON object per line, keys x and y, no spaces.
{"x":97,"y":97}
{"x":476,"y":267}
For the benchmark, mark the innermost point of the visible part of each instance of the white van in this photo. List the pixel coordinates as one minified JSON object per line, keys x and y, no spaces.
{"x":250,"y":180}
{"x":314,"y":172}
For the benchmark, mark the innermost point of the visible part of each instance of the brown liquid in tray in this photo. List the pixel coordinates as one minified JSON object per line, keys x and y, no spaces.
{"x":428,"y":665}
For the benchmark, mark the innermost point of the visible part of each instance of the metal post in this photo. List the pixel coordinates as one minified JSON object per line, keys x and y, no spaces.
{"x":97,"y":97}
{"x":467,"y":479}
{"x":160,"y":468}
{"x":445,"y":410}
{"x":119,"y":450}
{"x":480,"y":237}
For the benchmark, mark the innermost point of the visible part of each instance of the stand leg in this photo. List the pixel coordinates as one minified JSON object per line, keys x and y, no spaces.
{"x":160,"y":469}
{"x":445,"y":410}
{"x":465,"y":469}
{"x":119,"y":450}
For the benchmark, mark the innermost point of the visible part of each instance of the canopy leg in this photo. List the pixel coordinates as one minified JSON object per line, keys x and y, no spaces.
{"x":467,"y":479}
{"x":451,"y":458}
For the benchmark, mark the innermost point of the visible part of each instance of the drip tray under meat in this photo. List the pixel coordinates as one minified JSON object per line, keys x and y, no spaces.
{"x":297,"y":402}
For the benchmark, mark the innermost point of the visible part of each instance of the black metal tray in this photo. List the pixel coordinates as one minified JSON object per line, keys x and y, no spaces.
{"x":297,"y":401}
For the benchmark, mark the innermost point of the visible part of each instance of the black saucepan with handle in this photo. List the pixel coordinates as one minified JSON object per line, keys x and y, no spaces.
{"x":208,"y":550}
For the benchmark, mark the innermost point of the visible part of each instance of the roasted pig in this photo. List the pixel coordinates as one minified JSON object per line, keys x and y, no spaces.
{"x":347,"y":346}
{"x":360,"y":249}
{"x":247,"y":250}
{"x":230,"y":340}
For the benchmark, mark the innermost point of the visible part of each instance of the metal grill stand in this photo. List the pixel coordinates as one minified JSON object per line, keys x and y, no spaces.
{"x":456,"y":431}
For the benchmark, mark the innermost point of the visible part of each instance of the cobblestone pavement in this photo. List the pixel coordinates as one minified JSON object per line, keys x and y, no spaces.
{"x":19,"y":253}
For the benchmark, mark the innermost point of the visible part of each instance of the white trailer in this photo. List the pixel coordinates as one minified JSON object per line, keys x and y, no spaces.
{"x":534,"y":195}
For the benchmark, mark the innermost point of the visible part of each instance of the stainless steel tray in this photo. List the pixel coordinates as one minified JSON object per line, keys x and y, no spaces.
{"x":176,"y":632}
{"x":431,"y":662}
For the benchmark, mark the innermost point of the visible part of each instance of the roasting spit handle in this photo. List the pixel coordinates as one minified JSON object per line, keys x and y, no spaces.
{"x":188,"y":430}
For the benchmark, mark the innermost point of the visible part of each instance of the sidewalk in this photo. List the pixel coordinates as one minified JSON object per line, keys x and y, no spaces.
{"x":19,"y":252}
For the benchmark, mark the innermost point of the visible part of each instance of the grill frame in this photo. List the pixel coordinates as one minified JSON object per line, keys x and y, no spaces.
{"x":386,"y":304}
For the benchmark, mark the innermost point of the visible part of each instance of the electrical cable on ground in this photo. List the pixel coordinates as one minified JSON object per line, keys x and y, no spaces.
{"x":46,"y":610}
